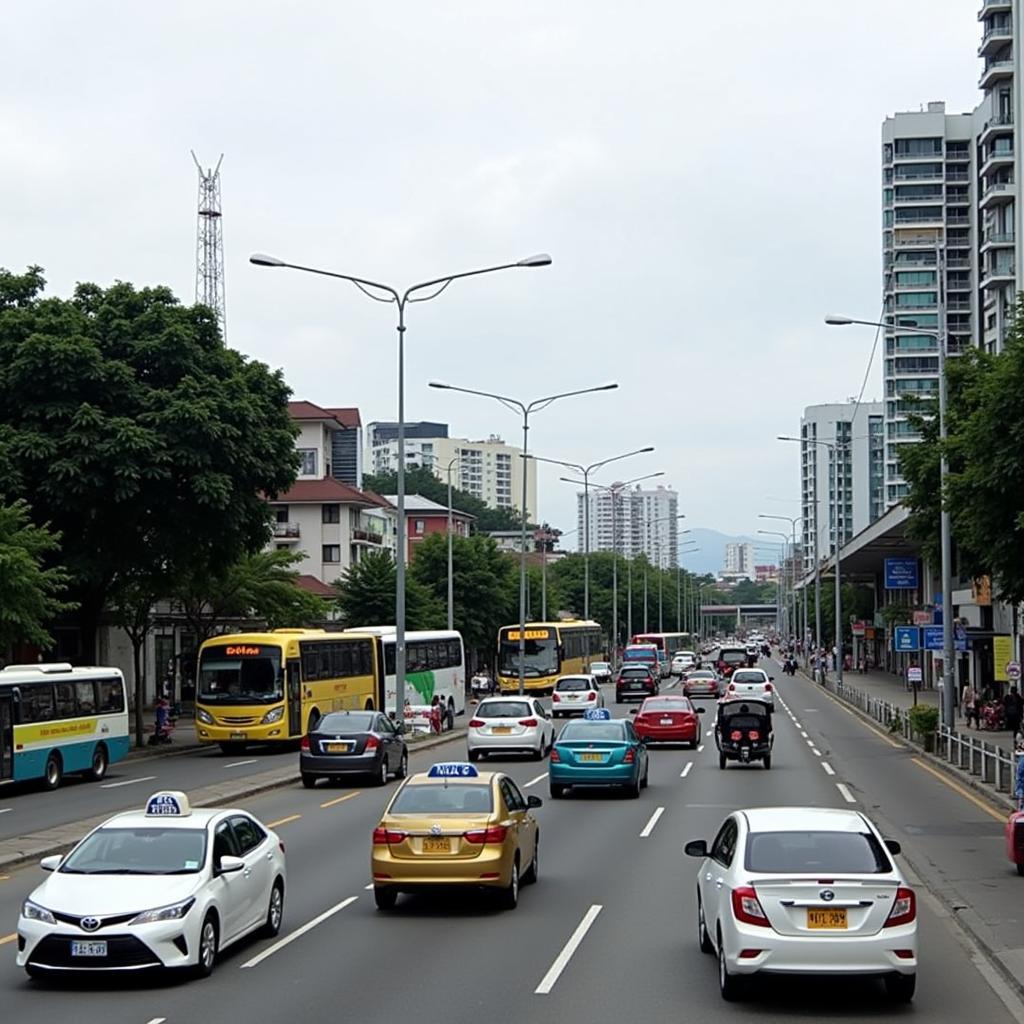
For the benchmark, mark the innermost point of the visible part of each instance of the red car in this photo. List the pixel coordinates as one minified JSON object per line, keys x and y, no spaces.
{"x":668,"y":720}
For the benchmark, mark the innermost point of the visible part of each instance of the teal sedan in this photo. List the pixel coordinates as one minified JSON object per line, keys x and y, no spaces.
{"x":598,"y":751}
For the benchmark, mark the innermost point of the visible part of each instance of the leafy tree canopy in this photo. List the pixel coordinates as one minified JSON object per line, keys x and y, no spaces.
{"x":366,"y":596}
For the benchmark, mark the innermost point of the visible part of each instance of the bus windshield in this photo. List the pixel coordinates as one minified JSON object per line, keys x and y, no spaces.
{"x":541,"y":654}
{"x":240,"y":674}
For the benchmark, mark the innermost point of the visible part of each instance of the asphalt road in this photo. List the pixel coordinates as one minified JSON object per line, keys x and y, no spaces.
{"x":459,"y":960}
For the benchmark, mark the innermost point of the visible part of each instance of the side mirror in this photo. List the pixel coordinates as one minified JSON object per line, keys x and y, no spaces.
{"x":771,"y":679}
{"x":893,"y":847}
{"x":700,"y":711}
{"x":632,"y":711}
{"x":534,"y":801}
{"x":51,"y":863}
{"x":229,"y":865}
{"x":696,"y":848}
{"x":399,"y":727}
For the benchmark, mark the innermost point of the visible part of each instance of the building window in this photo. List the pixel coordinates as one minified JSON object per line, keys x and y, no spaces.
{"x":307,"y":465}
{"x":331,"y":513}
{"x":332,"y":553}
{"x":281,"y":513}
{"x":419,"y":526}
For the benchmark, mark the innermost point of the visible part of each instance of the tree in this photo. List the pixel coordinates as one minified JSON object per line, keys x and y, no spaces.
{"x":128,"y":424}
{"x":366,"y":596}
{"x":29,"y":592}
{"x":134,"y":598}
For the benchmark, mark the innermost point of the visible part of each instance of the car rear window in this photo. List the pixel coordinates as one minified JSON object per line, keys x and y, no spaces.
{"x":701,"y":674}
{"x":749,"y":677}
{"x":818,"y":853}
{"x":572,"y":684}
{"x":356,"y":721}
{"x":733,"y":657}
{"x":612,"y":732}
{"x":503,"y":709}
{"x":634,"y":671}
{"x":668,"y":704}
{"x":600,"y":666}
{"x":453,"y":798}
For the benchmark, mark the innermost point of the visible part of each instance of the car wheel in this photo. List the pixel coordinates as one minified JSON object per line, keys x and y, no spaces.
{"x":618,"y":699}
{"x":767,"y":761}
{"x":380,"y":777}
{"x":530,"y":877}
{"x":1020,"y":867}
{"x":557,"y":790}
{"x":643,"y":781}
{"x":275,"y":910}
{"x":538,"y":754}
{"x":385,"y":897}
{"x":703,"y":939}
{"x":403,"y":765}
{"x":732,"y":986}
{"x":208,"y":940}
{"x":100,"y":760}
{"x":54,"y":771}
{"x":633,"y":789}
{"x":509,"y":897}
{"x":900,"y":987}
{"x":309,"y":781}
{"x":721,"y":760}
{"x":474,"y":755}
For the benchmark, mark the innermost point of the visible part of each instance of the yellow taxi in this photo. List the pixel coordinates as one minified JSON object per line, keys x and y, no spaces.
{"x":455,"y":826}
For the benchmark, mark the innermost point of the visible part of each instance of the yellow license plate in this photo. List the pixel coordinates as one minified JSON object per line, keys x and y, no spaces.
{"x":501,"y":730}
{"x":431,"y":845}
{"x":826,"y":917}
{"x":337,"y":748}
{"x":591,"y":757}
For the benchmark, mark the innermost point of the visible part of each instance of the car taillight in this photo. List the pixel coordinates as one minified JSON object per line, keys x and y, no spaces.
{"x":904,"y":908}
{"x":386,"y":837}
{"x":554,"y":755}
{"x":304,"y":744}
{"x":494,"y":834}
{"x":530,"y":723}
{"x":591,"y":695}
{"x":735,"y":735}
{"x":746,"y":907}
{"x":630,"y":756}
{"x":372,"y":743}
{"x":768,"y":687}
{"x":555,"y":698}
{"x":755,"y":735}
{"x":475,"y":723}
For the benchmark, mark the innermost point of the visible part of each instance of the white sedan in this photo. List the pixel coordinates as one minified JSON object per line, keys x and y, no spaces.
{"x":802,"y":890}
{"x":751,"y":682}
{"x":509,"y":725}
{"x":682,"y":662}
{"x":166,"y":887}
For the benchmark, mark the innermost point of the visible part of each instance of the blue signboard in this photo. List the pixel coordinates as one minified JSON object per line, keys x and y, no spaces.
{"x":597,"y":715}
{"x":453,"y":770}
{"x":901,"y":574}
{"x":959,"y":637}
{"x":932,"y":638}
{"x":906,"y":639}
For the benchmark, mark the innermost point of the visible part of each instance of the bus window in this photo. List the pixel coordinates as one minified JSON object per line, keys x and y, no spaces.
{"x":85,"y":698}
{"x":36,"y":703}
{"x":65,"y":705}
{"x":111,"y":695}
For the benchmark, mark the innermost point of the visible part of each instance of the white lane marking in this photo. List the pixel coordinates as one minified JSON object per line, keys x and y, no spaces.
{"x":847,"y":795}
{"x":533,"y":782}
{"x":649,"y":827}
{"x":6,"y":810}
{"x":700,"y":748}
{"x":561,"y":961}
{"x":829,"y":770}
{"x":238,"y":764}
{"x":686,"y":769}
{"x":127,"y":782}
{"x":298,"y":933}
{"x":368,"y":887}
{"x":810,"y":743}
{"x":797,"y":724}
{"x":156,"y":1020}
{"x":815,"y":751}
{"x":709,"y":732}
{"x":802,"y":733}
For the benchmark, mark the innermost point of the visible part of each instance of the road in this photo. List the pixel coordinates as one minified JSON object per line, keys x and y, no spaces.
{"x":604,"y":859}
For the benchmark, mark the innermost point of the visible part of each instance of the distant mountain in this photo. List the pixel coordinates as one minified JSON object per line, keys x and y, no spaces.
{"x":711,"y":557}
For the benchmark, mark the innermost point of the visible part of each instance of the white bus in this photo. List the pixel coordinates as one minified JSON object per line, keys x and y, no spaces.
{"x":55,"y":719}
{"x":435,"y":663}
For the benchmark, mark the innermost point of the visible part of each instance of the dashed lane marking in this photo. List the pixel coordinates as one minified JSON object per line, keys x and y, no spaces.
{"x":829,"y":770}
{"x":533,"y":782}
{"x":299,"y":932}
{"x":282,"y":821}
{"x":847,"y":795}
{"x":981,"y":805}
{"x":127,"y":782}
{"x":815,"y":751}
{"x":4,"y":939}
{"x":156,"y":1020}
{"x":341,"y":799}
{"x":700,"y":748}
{"x":686,"y":769}
{"x":649,"y":827}
{"x":6,"y":810}
{"x":238,"y":764}
{"x":561,"y":961}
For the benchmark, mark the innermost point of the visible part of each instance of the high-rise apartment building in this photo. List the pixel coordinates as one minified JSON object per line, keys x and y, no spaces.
{"x":632,"y":522}
{"x":739,"y":560}
{"x":855,"y":434}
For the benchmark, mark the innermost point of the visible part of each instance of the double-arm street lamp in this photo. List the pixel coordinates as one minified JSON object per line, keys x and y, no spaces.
{"x":525,"y":409}
{"x":781,"y":599}
{"x":422,"y":292}
{"x":792,"y":520}
{"x":679,"y":575}
{"x":585,"y":471}
{"x":661,"y":573}
{"x":945,"y":526}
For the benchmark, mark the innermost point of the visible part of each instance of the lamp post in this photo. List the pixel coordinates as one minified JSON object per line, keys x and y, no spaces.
{"x":792,"y":520}
{"x":657,"y":556}
{"x":585,"y":471}
{"x":525,"y":408}
{"x":422,"y":292}
{"x":780,"y":602}
{"x":679,"y":576}
{"x":835,"y":448}
{"x":451,"y":597}
{"x":945,"y":525}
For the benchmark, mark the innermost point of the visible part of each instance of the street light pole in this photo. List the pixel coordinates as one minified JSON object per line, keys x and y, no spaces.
{"x":792,"y":550}
{"x":780,"y":604}
{"x":422,"y":292}
{"x":525,"y":409}
{"x":451,"y":598}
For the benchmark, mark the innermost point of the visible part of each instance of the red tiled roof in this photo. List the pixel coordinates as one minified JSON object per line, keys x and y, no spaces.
{"x":378,"y":500}
{"x":315,"y":586}
{"x":346,"y":417}
{"x":309,"y":411}
{"x":324,"y":490}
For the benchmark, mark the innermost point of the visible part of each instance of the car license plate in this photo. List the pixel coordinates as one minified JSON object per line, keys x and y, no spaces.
{"x":239,"y":736}
{"x":826,"y":917}
{"x":337,"y":748}
{"x":434,"y":845}
{"x":666,"y":721}
{"x":591,"y":757}
{"x":88,"y":949}
{"x":501,"y":730}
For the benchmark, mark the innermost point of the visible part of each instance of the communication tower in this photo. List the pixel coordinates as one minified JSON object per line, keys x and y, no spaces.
{"x":210,"y":244}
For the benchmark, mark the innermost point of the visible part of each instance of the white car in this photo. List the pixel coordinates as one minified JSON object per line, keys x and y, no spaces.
{"x":170,"y":886}
{"x":751,"y":682}
{"x":805,"y":890}
{"x":509,"y":725}
{"x":682,"y":662}
{"x":573,"y":695}
{"x":602,"y":671}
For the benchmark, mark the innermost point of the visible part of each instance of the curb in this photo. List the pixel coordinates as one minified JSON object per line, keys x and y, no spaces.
{"x":227,"y":798}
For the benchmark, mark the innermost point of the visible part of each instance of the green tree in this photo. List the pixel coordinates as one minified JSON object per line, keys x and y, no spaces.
{"x":127,"y":424}
{"x":30,"y":593}
{"x":366,"y":596}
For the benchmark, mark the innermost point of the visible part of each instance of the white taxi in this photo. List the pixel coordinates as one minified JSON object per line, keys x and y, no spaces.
{"x":168,"y":886}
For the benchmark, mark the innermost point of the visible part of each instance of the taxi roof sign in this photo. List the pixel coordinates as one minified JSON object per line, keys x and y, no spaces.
{"x":597,"y":715}
{"x":452,"y":770}
{"x":170,"y":803}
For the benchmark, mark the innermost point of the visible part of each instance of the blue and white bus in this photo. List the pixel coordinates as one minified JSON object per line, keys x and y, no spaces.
{"x":55,"y":719}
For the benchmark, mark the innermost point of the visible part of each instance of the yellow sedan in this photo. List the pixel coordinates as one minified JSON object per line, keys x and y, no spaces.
{"x":455,"y":826}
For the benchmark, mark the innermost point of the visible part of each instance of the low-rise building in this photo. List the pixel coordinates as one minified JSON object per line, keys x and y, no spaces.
{"x":424,"y":517}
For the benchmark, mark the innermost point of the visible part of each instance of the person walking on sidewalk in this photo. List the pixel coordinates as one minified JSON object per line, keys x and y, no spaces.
{"x":1013,"y":708}
{"x":1018,"y":784}
{"x":969,"y":702}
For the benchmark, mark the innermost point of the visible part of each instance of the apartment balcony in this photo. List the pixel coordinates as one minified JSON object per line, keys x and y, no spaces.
{"x":958,"y":305}
{"x":367,"y":538}
{"x":916,"y":259}
{"x":998,"y":124}
{"x":995,"y":159}
{"x":916,"y":175}
{"x":989,"y":7}
{"x":958,"y":220}
{"x":286,"y":532}
{"x":999,"y":194}
{"x":907,"y":241}
{"x":958,"y":286}
{"x":998,"y":240}
{"x":995,"y":277}
{"x":995,"y":37}
{"x":955,"y":175}
{"x":996,"y":71}
{"x":931,"y":220}
{"x":957,"y":263}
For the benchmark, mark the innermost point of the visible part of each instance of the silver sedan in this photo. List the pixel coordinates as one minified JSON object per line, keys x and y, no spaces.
{"x":512,"y":725}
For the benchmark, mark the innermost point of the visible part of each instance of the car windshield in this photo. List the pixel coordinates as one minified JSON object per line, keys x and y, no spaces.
{"x":138,"y":851}
{"x":502,"y":709}
{"x":450,"y":798}
{"x":350,"y":721}
{"x":572,"y":683}
{"x":607,"y":732}
{"x":240,"y":674}
{"x":748,"y":677}
{"x":818,"y":853}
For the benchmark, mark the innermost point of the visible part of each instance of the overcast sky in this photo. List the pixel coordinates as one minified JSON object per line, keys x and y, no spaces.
{"x":705,"y":175}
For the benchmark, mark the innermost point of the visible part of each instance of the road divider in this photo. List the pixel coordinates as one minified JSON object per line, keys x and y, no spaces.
{"x":561,"y":961}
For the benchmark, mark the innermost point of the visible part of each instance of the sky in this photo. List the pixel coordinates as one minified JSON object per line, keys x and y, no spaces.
{"x":705,"y":176}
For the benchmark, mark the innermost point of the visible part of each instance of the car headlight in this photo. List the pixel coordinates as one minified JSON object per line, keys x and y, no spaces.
{"x":34,"y":912}
{"x":172,"y":912}
{"x":273,"y":715}
{"x":204,"y":716}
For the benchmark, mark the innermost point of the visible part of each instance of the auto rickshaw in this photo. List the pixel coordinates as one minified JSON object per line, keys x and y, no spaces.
{"x":743,"y":731}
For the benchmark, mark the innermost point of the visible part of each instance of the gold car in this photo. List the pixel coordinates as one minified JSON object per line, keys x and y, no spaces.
{"x":455,"y":826}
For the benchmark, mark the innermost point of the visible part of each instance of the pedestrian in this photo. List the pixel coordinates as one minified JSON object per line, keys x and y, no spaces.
{"x":1018,"y":786}
{"x":1013,"y":708}
{"x":969,"y":702}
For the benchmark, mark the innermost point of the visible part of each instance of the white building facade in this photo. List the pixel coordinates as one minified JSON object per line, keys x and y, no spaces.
{"x":632,"y":522}
{"x":739,"y":560}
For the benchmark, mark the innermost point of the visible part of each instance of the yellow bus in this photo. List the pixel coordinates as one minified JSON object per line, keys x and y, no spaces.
{"x":274,"y":687}
{"x":553,"y":649}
